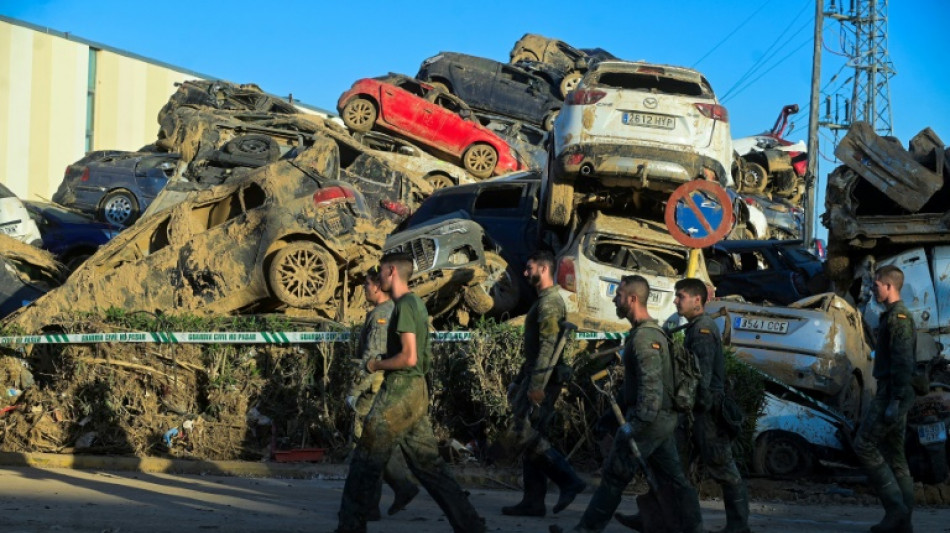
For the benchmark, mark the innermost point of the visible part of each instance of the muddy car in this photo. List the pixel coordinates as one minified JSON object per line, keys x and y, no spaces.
{"x":778,"y":272}
{"x":494,"y":87}
{"x":770,"y":164}
{"x":15,"y":220}
{"x":220,"y":94}
{"x":785,"y":220}
{"x":115,"y":186}
{"x":569,"y":64}
{"x":413,"y":160}
{"x":281,"y":238}
{"x":69,"y":235}
{"x":456,"y":268}
{"x":633,"y":128}
{"x":605,"y":249}
{"x":529,"y":141}
{"x":818,"y":345}
{"x":26,"y":273}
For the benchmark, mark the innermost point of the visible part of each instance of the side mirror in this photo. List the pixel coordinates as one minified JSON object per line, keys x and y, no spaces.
{"x":465,"y":113}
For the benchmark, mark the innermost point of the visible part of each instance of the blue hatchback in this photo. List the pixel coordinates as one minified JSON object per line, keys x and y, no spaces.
{"x":72,"y":237}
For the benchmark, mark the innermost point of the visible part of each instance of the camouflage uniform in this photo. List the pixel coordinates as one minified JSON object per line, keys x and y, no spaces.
{"x":880,"y":444}
{"x":372,"y":344}
{"x":399,"y":419}
{"x":709,"y":434}
{"x":647,"y":395}
{"x":529,"y":436}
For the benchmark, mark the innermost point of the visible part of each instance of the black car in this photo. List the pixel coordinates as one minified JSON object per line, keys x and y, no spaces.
{"x":115,"y":186}
{"x":494,"y":87}
{"x":779,"y":272}
{"x":529,"y":141}
{"x":70,"y":236}
{"x":505,"y":208}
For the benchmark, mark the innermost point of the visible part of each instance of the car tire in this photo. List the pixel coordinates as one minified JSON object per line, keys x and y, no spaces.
{"x":569,"y":82}
{"x":783,"y":455}
{"x":480,"y":160}
{"x":359,"y":114}
{"x":439,"y":86}
{"x":850,"y":400}
{"x":550,"y":118}
{"x":303,"y":274}
{"x":119,"y":207}
{"x":560,"y":204}
{"x":523,"y":55}
{"x":440,"y":181}
{"x":754,"y":178}
{"x":254,"y":146}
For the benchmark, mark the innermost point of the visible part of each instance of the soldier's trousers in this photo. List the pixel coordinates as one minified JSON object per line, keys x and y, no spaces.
{"x":657,"y":446}
{"x":879,"y":442}
{"x":396,"y":472}
{"x":715,"y":449}
{"x":399,"y":421}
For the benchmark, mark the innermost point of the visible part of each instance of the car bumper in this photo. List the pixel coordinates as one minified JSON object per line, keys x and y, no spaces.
{"x":635,"y":166}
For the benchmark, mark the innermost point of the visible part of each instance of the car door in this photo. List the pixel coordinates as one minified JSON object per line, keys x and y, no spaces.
{"x":516,"y":94}
{"x":402,"y":104}
{"x":450,"y":131}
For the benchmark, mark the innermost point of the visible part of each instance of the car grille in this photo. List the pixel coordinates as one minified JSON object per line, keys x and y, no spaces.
{"x":423,"y":252}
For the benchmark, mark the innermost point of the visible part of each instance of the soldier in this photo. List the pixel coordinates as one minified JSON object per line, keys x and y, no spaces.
{"x":710,"y":432}
{"x":651,"y":420}
{"x":399,"y":417}
{"x":530,"y":391}
{"x":372,"y":345}
{"x":880,"y":441}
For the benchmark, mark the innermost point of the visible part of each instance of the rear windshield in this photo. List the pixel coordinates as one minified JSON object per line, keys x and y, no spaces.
{"x":630,"y":256}
{"x":654,"y":83}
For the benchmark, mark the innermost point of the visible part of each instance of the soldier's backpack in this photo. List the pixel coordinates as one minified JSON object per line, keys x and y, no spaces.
{"x":686,"y":373}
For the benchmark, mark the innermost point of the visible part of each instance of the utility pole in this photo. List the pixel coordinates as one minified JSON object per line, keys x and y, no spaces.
{"x":813,"y":151}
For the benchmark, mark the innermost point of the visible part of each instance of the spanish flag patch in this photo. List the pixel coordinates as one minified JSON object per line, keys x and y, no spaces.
{"x":380,"y":320}
{"x":656,"y":346}
{"x":901,"y":315}
{"x":704,"y":330}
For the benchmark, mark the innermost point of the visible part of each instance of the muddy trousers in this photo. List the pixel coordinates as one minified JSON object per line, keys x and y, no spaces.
{"x":399,"y":421}
{"x":880,"y":448}
{"x":396,"y":473}
{"x":658,"y":447}
{"x":715,"y":449}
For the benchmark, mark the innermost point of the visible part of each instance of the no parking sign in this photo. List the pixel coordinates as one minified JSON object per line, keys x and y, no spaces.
{"x":699,"y":214}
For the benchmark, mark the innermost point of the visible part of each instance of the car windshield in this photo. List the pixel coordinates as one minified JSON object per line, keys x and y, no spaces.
{"x":631,"y":256}
{"x":652,"y":83}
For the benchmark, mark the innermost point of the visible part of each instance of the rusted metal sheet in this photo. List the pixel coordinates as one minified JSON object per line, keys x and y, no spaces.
{"x":888,"y":167}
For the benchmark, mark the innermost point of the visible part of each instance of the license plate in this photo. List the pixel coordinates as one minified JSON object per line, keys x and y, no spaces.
{"x":612,"y":291}
{"x":761,"y":324}
{"x":649,"y":120}
{"x":932,"y":433}
{"x":8,"y":230}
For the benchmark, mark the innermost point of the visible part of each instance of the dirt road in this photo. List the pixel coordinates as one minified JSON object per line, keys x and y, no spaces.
{"x":41,"y":500}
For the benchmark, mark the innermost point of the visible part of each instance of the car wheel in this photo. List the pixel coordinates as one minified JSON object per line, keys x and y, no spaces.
{"x":439,"y":86}
{"x":119,"y":208}
{"x":480,"y":160}
{"x":259,"y":147}
{"x":782,"y":454}
{"x":560,"y":203}
{"x":501,"y":285}
{"x":550,"y":118}
{"x":440,"y":181}
{"x":303,"y":274}
{"x":523,"y":55}
{"x":570,"y":81}
{"x":754,"y":178}
{"x":359,"y":114}
{"x":849,"y":400}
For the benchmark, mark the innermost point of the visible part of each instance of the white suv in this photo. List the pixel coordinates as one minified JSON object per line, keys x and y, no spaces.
{"x":15,"y":220}
{"x":637,"y":126}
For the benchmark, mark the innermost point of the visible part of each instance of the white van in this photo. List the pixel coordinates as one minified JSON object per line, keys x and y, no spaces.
{"x":15,"y":220}
{"x":926,"y":294}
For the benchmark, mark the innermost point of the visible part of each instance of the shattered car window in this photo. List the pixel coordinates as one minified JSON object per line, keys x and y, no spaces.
{"x":499,"y":200}
{"x":627,"y":255}
{"x":408,"y":85}
{"x":446,"y":102}
{"x":652,"y":83}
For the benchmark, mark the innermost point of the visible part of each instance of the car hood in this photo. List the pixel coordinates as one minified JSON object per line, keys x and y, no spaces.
{"x":442,"y":226}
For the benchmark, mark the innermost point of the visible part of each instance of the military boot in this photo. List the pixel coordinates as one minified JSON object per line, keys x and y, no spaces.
{"x":895,"y":512}
{"x":735,"y":499}
{"x":906,"y":483}
{"x":633,"y":521}
{"x":690,"y":514}
{"x":535,"y":487}
{"x":561,"y":472}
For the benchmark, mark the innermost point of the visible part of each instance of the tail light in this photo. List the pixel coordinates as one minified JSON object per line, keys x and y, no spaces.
{"x":575,"y":159}
{"x":395,"y":207}
{"x":332,"y":195}
{"x":820,"y":250}
{"x":565,"y":274}
{"x":713,"y":111}
{"x":585,"y":97}
{"x":85,"y":174}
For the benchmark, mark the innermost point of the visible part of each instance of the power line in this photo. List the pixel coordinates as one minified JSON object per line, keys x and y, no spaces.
{"x":731,"y":34}
{"x":770,"y":69}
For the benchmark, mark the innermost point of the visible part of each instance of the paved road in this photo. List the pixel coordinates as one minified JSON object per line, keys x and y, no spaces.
{"x":65,"y":500}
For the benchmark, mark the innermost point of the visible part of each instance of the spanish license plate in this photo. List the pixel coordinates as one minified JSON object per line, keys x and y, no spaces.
{"x":8,"y":230}
{"x":649,"y":120}
{"x":761,"y":324}
{"x":932,"y":433}
{"x":612,"y":291}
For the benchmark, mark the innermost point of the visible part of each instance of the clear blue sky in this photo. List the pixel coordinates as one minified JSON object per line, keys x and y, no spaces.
{"x":316,"y":50}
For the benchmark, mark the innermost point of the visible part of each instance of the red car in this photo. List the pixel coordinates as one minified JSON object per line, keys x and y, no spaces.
{"x":425,"y":114}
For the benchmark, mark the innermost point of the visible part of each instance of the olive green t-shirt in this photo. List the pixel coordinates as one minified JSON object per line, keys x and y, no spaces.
{"x":410,"y":316}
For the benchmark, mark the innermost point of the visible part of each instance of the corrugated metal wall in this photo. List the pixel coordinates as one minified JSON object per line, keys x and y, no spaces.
{"x":44,"y":84}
